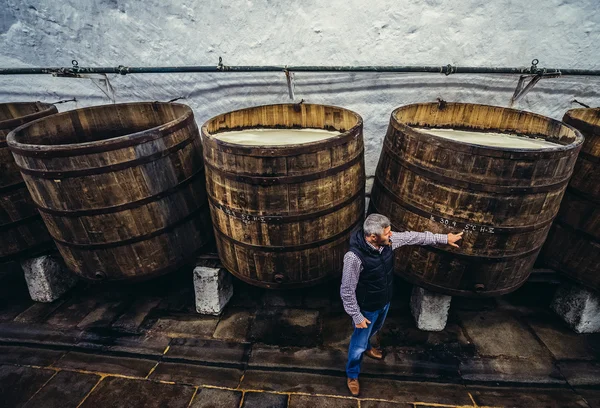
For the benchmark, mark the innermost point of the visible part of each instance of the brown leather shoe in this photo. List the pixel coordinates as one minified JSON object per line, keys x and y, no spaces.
{"x":353,"y":386}
{"x":374,"y":353}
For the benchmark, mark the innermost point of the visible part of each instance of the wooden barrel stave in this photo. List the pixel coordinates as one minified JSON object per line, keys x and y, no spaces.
{"x":504,"y":199}
{"x":439,"y":271}
{"x":283,"y":216}
{"x":304,"y":268}
{"x":22,"y":231}
{"x":89,"y":229}
{"x":176,"y":247}
{"x":573,"y":245}
{"x":128,"y":201}
{"x":486,"y":240}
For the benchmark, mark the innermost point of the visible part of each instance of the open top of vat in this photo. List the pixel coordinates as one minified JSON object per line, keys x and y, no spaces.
{"x":587,"y":121}
{"x":332,"y":125}
{"x":15,"y":114}
{"x":422,"y":120}
{"x":590,"y":116}
{"x":491,"y":139}
{"x":98,"y":128}
{"x":274,"y":137}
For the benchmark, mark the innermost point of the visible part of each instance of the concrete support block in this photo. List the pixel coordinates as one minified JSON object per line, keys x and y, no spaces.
{"x":429,"y":309}
{"x":579,"y":307}
{"x":47,"y":278}
{"x":214,"y":289}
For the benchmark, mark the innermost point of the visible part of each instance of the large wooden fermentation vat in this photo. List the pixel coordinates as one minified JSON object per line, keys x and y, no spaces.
{"x":22,"y":231}
{"x":283,"y":214}
{"x":503,"y":198}
{"x":573,"y":245}
{"x":120,"y":187}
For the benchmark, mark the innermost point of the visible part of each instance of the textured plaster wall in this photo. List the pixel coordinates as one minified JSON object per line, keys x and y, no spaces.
{"x":561,"y":34}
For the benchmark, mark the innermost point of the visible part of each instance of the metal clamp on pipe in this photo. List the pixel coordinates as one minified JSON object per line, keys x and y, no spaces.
{"x":72,"y":72}
{"x":536,"y":74}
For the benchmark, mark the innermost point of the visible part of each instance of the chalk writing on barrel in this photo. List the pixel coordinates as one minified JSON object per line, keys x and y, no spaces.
{"x":466,"y":227}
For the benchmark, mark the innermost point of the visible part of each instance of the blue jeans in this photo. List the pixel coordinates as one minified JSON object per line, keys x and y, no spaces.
{"x":361,"y":339}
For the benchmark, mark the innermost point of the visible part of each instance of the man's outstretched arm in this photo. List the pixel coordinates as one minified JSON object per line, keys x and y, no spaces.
{"x":417,"y":238}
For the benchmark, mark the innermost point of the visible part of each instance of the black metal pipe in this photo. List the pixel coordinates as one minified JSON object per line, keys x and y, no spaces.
{"x":444,"y":69}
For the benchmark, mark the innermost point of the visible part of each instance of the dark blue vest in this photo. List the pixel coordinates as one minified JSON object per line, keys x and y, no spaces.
{"x":376,"y":281}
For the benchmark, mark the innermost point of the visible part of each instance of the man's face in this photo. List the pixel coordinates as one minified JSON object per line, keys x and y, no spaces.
{"x":383,"y":239}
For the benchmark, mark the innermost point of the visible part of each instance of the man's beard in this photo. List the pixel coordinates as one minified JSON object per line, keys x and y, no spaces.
{"x":384,"y":242}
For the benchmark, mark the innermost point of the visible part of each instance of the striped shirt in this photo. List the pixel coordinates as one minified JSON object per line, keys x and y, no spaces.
{"x":353,"y":266}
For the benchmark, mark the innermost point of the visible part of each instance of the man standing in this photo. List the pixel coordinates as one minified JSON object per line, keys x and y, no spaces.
{"x":367,"y":283}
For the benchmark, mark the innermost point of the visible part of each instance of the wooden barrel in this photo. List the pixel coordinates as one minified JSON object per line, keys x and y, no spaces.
{"x":573,"y":245}
{"x":22,"y":231}
{"x":283,"y":215}
{"x":120,"y":187}
{"x":504,"y":199}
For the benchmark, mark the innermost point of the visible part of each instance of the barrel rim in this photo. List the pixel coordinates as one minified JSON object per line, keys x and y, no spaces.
{"x":579,"y":139}
{"x":588,"y":128}
{"x":571,"y":114}
{"x":74,"y":149}
{"x":48,"y":109}
{"x":280,"y":150}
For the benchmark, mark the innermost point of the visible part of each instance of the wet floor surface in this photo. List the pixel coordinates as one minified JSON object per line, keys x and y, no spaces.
{"x":143,"y":345}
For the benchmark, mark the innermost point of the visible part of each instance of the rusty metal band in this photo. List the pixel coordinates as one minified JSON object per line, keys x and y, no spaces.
{"x":13,"y":187}
{"x":574,"y":230}
{"x":291,"y":248}
{"x":126,"y":206}
{"x":144,"y":137}
{"x":29,"y":252}
{"x":484,"y":258}
{"x":186,"y":260}
{"x":270,"y":181}
{"x":561,"y":266}
{"x":107,"y":245}
{"x":282,"y":219}
{"x":59,"y":175}
{"x":461,"y":292}
{"x":460,"y":223}
{"x":32,"y":218}
{"x":490,"y":188}
{"x":582,"y":195}
{"x":284,"y":285}
{"x":589,"y":157}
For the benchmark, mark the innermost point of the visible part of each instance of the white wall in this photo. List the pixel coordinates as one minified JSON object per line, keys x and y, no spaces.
{"x":561,"y":34}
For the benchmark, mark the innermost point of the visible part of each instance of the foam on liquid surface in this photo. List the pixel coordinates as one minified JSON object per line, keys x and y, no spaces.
{"x":491,"y":138}
{"x":272,"y":137}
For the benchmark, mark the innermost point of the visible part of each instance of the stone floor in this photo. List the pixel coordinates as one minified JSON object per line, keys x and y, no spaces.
{"x":143,"y":345}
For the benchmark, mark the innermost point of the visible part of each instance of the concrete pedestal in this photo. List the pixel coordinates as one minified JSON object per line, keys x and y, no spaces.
{"x":214,"y":289}
{"x":47,"y":278}
{"x":429,"y":309}
{"x":579,"y":307}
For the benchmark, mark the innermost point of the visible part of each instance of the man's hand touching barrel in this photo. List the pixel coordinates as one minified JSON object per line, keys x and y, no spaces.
{"x":454,"y":238}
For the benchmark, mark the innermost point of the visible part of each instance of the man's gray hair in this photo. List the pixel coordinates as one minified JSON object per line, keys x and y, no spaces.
{"x":375,"y":224}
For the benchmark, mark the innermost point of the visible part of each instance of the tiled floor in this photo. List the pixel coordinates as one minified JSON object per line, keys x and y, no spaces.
{"x":143,"y":345}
